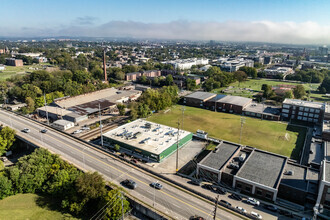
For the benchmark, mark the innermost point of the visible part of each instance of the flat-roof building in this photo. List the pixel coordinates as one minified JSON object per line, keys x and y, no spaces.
{"x":303,"y":110}
{"x":197,"y":99}
{"x":322,"y":207}
{"x":262,"y":111}
{"x":232,"y":104}
{"x":63,"y":124}
{"x":14,"y":62}
{"x":260,"y":175}
{"x":147,"y":139}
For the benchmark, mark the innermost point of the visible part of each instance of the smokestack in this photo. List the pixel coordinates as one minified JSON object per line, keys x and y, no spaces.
{"x":105,"y":67}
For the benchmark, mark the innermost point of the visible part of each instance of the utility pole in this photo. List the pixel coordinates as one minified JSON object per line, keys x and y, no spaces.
{"x":216,"y":207}
{"x":100,"y":125}
{"x":177,"y":148}
{"x":242,"y":123}
{"x":182,"y":109}
{"x":46,"y":109}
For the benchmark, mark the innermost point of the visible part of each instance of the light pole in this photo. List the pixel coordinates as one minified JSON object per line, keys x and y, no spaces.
{"x":100,"y":125}
{"x":242,"y":123}
{"x":84,"y":157}
{"x":182,"y":109}
{"x":177,"y":148}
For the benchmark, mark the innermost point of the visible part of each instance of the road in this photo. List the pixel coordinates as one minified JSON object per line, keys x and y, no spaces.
{"x":173,"y":201}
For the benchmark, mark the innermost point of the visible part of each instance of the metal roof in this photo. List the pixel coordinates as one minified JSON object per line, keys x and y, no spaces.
{"x":201,"y":95}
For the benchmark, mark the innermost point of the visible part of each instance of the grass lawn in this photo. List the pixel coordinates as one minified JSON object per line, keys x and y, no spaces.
{"x":19,"y":70}
{"x":255,"y":86}
{"x":266,"y":135}
{"x":25,"y":206}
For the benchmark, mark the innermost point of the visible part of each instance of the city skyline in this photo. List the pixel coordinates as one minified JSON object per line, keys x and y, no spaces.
{"x":294,"y":22}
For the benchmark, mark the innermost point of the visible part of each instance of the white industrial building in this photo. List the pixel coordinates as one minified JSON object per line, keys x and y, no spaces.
{"x":184,"y":64}
{"x":233,"y":64}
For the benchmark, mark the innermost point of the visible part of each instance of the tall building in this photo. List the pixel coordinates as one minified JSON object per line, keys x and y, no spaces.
{"x":323,"y":50}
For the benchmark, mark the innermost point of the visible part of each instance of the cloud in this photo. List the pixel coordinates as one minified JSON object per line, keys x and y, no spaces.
{"x":257,"y":31}
{"x":86,"y":20}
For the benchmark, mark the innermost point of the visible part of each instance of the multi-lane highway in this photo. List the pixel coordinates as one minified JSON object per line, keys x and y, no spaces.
{"x":173,"y":201}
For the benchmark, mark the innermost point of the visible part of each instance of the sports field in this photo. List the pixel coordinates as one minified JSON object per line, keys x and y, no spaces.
{"x":266,"y":135}
{"x":29,"y":206}
{"x":19,"y":70}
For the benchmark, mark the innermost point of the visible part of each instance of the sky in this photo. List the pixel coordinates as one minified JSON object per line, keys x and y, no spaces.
{"x":276,"y":21}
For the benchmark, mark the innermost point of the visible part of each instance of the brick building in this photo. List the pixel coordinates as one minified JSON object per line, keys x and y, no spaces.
{"x":14,"y":62}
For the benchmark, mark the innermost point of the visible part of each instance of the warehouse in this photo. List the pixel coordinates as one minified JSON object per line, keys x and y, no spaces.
{"x":197,"y":99}
{"x":147,"y":139}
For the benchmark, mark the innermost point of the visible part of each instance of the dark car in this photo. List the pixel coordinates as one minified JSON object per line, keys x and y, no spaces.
{"x":195,"y":217}
{"x":221,"y":191}
{"x":208,"y":186}
{"x":271,"y":208}
{"x":43,"y":131}
{"x":236,"y":196}
{"x":156,"y":185}
{"x":129,"y":183}
{"x":195,"y":182}
{"x":225,"y":202}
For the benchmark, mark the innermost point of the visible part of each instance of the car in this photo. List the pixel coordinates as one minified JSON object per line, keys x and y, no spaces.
{"x":195,"y":182}
{"x":208,"y":186}
{"x":240,"y":209}
{"x":236,"y":196}
{"x":221,"y":191}
{"x":256,"y":215}
{"x":85,"y":128}
{"x":43,"y":131}
{"x":26,"y":130}
{"x":134,"y":160}
{"x":253,"y":201}
{"x":129,"y":183}
{"x":156,"y":185}
{"x":271,"y":208}
{"x":196,"y":217}
{"x":225,"y":202}
{"x":77,"y":131}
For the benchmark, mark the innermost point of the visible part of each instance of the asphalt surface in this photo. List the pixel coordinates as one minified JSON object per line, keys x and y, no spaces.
{"x":170,"y":200}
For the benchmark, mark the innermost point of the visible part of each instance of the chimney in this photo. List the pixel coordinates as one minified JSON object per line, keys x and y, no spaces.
{"x":105,"y":67}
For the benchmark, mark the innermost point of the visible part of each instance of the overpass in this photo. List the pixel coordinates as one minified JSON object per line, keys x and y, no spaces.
{"x":172,"y":200}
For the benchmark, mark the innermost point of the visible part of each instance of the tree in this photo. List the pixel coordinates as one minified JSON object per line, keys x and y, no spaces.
{"x":191,"y":84}
{"x":240,"y":76}
{"x":90,"y":185}
{"x":268,"y":92}
{"x":250,"y":71}
{"x":288,"y":94}
{"x":117,"y":147}
{"x":299,"y":92}
{"x":30,"y":104}
{"x":114,"y":210}
{"x":8,"y":136}
{"x":121,"y":109}
{"x":5,"y":187}
{"x":325,"y":85}
{"x":169,"y":80}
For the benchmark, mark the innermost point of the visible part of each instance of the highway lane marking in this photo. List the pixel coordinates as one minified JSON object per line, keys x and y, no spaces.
{"x":122,"y":172}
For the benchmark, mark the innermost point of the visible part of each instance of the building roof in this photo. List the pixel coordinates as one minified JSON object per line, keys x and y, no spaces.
{"x":263,"y":167}
{"x":264,"y":109}
{"x":235,"y":100}
{"x":92,"y":107}
{"x":62,"y":122}
{"x":54,"y":110}
{"x":302,"y":103}
{"x":316,"y":154}
{"x":154,"y":140}
{"x":300,"y":176}
{"x":217,"y":97}
{"x":217,"y":159}
{"x":201,"y":95}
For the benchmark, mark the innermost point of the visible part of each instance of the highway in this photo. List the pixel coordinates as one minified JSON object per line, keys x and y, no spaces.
{"x":170,"y":200}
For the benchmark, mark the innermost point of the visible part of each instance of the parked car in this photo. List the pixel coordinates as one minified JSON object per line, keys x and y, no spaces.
{"x":271,"y":208}
{"x":156,"y":185}
{"x":208,"y":186}
{"x":196,"y":217}
{"x":77,"y":131}
{"x":254,"y":214}
{"x":195,"y":182}
{"x":221,"y":190}
{"x":129,"y":183}
{"x":43,"y":130}
{"x":253,"y":201}
{"x":240,"y":209}
{"x":26,"y":130}
{"x":225,"y":202}
{"x":236,"y":196}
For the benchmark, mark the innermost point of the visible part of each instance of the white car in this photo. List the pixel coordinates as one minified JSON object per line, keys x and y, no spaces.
{"x":253,"y":201}
{"x":77,"y":131}
{"x":26,"y":130}
{"x":254,"y":214}
{"x":240,"y":209}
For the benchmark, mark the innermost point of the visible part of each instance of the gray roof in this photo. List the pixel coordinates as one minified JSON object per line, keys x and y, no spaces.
{"x":201,"y":95}
{"x":62,"y":122}
{"x":318,"y":153}
{"x":302,"y":103}
{"x":219,"y":158}
{"x":263,"y":168}
{"x":264,"y":109}
{"x":216,"y":98}
{"x":235,"y":100}
{"x":300,"y":177}
{"x":92,"y":107}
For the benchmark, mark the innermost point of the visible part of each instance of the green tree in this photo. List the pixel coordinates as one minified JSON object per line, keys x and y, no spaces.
{"x":5,"y":187}
{"x":117,"y":147}
{"x":114,"y":211}
{"x":90,"y":185}
{"x":325,"y":85}
{"x":288,"y":94}
{"x":121,"y":109}
{"x":169,"y":80}
{"x":240,"y":76}
{"x":268,"y":92}
{"x":30,"y":104}
{"x":299,"y":92}
{"x":250,"y":71}
{"x":8,"y":136}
